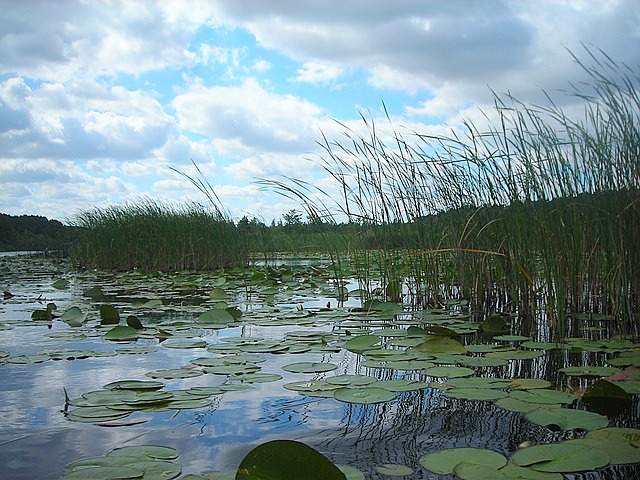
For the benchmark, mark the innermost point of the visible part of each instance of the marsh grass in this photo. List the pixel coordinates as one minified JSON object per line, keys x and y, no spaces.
{"x":150,"y":235}
{"x":539,"y":215}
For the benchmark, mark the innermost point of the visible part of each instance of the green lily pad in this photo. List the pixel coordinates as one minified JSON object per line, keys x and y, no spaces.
{"x":630,"y":435}
{"x":511,"y":471}
{"x":443,"y":462}
{"x":529,"y":383}
{"x":449,"y":372}
{"x":177,"y":343}
{"x":364,"y":395}
{"x":174,"y":373}
{"x":60,"y":284}
{"x":350,"y":380}
{"x":567,"y":419}
{"x":619,"y":450}
{"x":543,"y":395}
{"x":109,"y":315}
{"x":439,"y":345}
{"x":361,"y":343}
{"x":104,"y":473}
{"x":280,"y":459}
{"x":215,"y":318}
{"x":310,"y":367}
{"x":134,"y":385}
{"x":473,"y":471}
{"x":74,"y":317}
{"x":515,"y":405}
{"x":154,"y":451}
{"x":121,"y":333}
{"x":476,"y":393}
{"x":587,"y":371}
{"x":561,"y":457}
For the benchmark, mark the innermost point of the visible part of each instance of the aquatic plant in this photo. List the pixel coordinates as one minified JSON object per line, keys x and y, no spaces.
{"x":151,"y":235}
{"x":539,"y":214}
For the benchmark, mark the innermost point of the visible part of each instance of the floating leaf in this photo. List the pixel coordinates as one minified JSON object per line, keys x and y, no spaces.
{"x":561,"y":457}
{"x":443,"y":462}
{"x":74,"y":317}
{"x":587,"y":371}
{"x":567,"y":419}
{"x":439,"y":345}
{"x":449,"y":372}
{"x":543,"y":395}
{"x":529,"y":383}
{"x":475,"y":393}
{"x":109,"y":315}
{"x":364,"y":395}
{"x":361,"y":343}
{"x":60,"y":284}
{"x":619,"y":450}
{"x":134,"y":322}
{"x":280,"y":459}
{"x":511,"y":471}
{"x":121,"y":333}
{"x":310,"y":367}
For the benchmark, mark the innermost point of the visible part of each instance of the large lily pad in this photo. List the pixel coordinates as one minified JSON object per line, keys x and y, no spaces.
{"x":361,"y":343}
{"x":567,"y":419}
{"x":440,"y":345}
{"x":561,"y":457}
{"x":444,"y":462}
{"x":280,"y":459}
{"x":364,"y":395}
{"x":310,"y":367}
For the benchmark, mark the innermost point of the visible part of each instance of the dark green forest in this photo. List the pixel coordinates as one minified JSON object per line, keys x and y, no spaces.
{"x":32,"y":232}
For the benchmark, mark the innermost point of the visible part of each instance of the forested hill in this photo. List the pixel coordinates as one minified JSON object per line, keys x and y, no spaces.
{"x":31,"y":232}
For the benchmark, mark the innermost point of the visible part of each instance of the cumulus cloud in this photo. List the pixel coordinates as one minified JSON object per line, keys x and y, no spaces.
{"x":247,"y":119}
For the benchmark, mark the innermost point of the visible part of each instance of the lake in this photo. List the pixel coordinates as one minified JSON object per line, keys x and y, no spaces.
{"x":276,"y":317}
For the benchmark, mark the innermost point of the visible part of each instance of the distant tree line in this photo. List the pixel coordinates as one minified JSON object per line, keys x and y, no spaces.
{"x":32,"y":232}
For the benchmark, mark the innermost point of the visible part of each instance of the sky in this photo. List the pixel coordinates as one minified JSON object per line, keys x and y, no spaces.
{"x":106,"y":103}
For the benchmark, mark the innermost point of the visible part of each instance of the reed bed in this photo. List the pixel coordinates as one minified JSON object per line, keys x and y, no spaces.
{"x":150,"y":236}
{"x":539,"y":215}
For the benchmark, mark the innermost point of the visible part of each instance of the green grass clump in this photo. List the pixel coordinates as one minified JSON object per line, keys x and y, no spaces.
{"x":539,"y":215}
{"x":150,"y":236}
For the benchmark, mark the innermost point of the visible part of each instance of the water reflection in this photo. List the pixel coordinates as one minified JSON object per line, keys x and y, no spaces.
{"x":36,"y":440}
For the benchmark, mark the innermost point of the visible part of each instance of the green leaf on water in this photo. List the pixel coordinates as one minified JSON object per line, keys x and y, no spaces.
{"x":287,"y":459}
{"x":109,"y":315}
{"x":310,"y":367}
{"x":74,"y":317}
{"x":361,"y":343}
{"x":363,"y":395}
{"x":561,"y":457}
{"x":444,"y":462}
{"x":121,"y":333}
{"x":439,"y":345}
{"x":567,"y":419}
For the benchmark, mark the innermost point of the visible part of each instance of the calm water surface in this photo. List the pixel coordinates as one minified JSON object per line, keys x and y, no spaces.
{"x":37,"y":441}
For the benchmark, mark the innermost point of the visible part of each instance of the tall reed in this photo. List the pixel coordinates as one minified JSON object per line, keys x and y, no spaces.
{"x":150,"y":235}
{"x":538,"y":214}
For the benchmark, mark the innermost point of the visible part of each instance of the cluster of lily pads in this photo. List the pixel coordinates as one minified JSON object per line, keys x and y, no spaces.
{"x":412,"y":350}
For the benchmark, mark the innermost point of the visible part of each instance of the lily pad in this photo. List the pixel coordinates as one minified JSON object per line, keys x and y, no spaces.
{"x":561,"y":457}
{"x":394,"y":470}
{"x":449,"y":372}
{"x":544,"y":396}
{"x":361,"y":343}
{"x":121,"y":333}
{"x":109,"y":315}
{"x":74,"y":317}
{"x":443,"y":462}
{"x":310,"y":367}
{"x":440,"y":345}
{"x":587,"y":371}
{"x":280,"y":459}
{"x":364,"y":395}
{"x":567,"y":419}
{"x":476,"y":393}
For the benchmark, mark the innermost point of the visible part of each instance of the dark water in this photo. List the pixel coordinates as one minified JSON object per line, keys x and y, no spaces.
{"x":37,"y":441}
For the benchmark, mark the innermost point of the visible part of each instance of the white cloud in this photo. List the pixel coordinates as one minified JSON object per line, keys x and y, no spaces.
{"x":247,"y":119}
{"x":317,"y":72}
